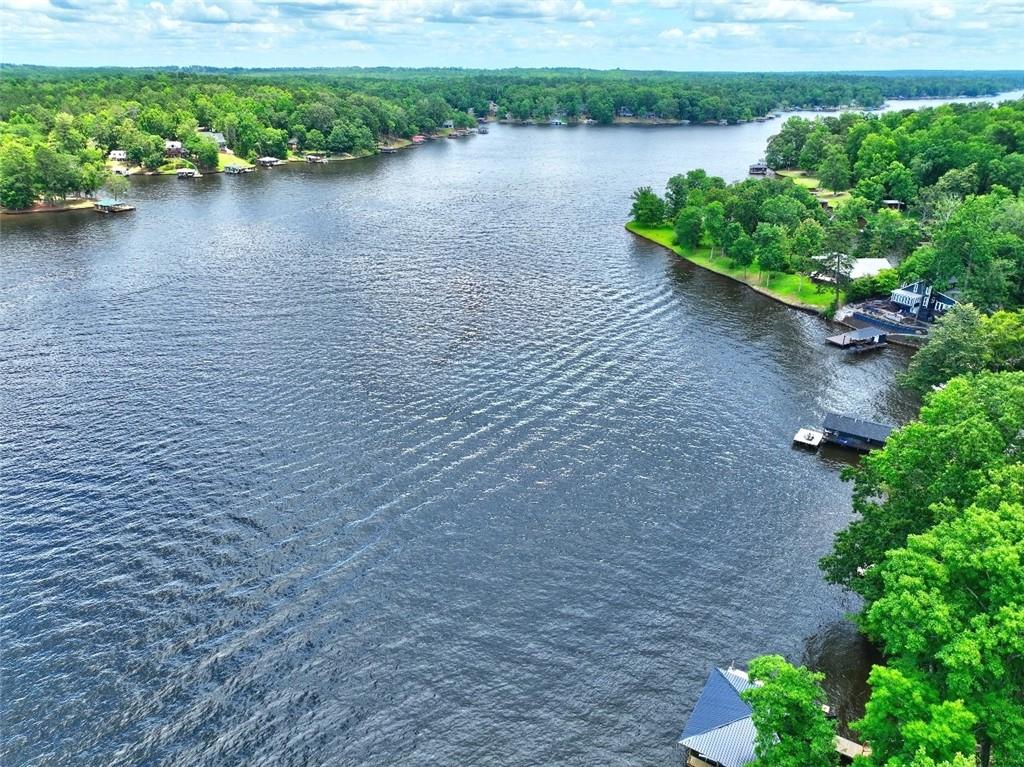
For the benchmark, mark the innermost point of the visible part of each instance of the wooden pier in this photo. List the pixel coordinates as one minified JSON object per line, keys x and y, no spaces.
{"x":111,"y":206}
{"x":860,"y":340}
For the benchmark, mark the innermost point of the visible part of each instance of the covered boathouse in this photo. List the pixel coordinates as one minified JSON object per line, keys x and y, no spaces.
{"x":854,"y":432}
{"x":720,"y":732}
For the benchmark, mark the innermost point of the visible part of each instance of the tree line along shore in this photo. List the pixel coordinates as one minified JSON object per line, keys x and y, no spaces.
{"x":59,"y":126}
{"x":936,"y":547}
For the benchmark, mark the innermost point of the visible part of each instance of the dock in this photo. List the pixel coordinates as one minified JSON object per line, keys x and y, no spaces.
{"x":860,"y":340}
{"x":855,"y":433}
{"x":111,"y":206}
{"x":808,"y":438}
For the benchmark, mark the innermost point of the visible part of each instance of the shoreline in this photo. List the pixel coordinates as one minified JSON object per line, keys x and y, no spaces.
{"x":80,"y":203}
{"x":782,"y":298}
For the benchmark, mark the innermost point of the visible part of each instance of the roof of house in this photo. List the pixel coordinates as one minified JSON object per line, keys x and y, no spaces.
{"x":868,"y":267}
{"x":720,"y":727}
{"x":877,"y":432}
{"x":218,"y":137}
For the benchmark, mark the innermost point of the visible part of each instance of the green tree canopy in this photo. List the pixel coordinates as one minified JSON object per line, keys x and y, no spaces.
{"x":792,"y":729}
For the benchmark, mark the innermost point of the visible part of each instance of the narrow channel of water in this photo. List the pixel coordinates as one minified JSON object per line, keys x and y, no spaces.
{"x":420,"y":459}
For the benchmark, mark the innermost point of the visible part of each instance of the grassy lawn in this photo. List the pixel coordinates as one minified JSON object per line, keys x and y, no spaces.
{"x":226,"y":158}
{"x":788,"y":288}
{"x":810,"y":182}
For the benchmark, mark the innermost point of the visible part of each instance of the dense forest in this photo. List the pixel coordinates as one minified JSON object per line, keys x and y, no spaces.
{"x":936,"y":549}
{"x":953,"y":176}
{"x":57,"y":126}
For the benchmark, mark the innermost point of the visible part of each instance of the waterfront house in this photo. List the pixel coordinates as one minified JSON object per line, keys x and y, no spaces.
{"x":720,"y":731}
{"x":173,"y":148}
{"x":448,"y":124}
{"x":118,"y":155}
{"x":921,"y":301}
{"x":217,"y":138}
{"x":293,"y":144}
{"x":759,"y":168}
{"x":894,"y":204}
{"x":624,"y":112}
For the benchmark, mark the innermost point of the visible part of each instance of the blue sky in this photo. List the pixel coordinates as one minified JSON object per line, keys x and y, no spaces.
{"x":632,"y":34}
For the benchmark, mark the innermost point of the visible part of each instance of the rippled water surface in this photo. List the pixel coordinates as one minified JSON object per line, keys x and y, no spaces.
{"x":421,"y":459}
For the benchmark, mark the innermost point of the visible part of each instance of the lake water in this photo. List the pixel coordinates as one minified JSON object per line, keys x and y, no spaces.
{"x":419,"y":459}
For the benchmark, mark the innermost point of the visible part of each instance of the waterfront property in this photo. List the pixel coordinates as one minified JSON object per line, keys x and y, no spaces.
{"x":720,"y":731}
{"x":759,"y":168}
{"x":118,"y":155}
{"x":268,"y":162}
{"x":855,"y":433}
{"x":173,"y":148}
{"x":112,"y":206}
{"x":215,"y":137}
{"x":187,"y":173}
{"x":234,"y":170}
{"x":921,"y":301}
{"x":316,"y":158}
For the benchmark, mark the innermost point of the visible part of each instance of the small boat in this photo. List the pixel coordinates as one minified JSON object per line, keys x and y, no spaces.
{"x":555,"y":122}
{"x":387,"y":149}
{"x":316,"y":158}
{"x":188,"y":173}
{"x":234,"y":170}
{"x":482,"y":129}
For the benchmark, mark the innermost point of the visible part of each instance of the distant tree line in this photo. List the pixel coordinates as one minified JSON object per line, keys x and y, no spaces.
{"x":57,"y":125}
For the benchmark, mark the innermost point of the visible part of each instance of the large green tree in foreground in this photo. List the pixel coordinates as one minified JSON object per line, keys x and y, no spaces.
{"x":792,"y":729}
{"x":966,"y":432}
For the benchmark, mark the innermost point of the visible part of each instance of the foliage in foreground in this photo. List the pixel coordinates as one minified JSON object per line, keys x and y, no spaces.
{"x":792,"y":729}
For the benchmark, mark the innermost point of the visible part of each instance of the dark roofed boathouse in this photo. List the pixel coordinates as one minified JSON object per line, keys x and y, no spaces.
{"x":855,"y":432}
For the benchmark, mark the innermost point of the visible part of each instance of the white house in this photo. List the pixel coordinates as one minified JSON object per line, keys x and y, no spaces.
{"x":118,"y":155}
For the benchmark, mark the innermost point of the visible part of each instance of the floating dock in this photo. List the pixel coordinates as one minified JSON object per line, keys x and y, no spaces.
{"x":111,"y":206}
{"x":860,"y":340}
{"x":808,"y":438}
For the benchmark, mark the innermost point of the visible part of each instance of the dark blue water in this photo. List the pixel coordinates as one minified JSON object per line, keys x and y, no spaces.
{"x":421,"y":459}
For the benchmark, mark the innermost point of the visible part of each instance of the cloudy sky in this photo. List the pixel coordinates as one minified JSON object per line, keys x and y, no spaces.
{"x":631,"y":34}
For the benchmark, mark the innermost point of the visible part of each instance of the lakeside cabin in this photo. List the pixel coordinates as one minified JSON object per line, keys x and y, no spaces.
{"x":216,"y":137}
{"x":267,"y":162}
{"x":720,"y":731}
{"x":111,"y":206}
{"x":118,"y":155}
{"x":855,"y":433}
{"x":173,"y":148}
{"x":759,"y":168}
{"x":921,"y":301}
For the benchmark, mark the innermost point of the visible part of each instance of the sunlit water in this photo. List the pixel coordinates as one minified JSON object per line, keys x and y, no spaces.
{"x":420,"y":459}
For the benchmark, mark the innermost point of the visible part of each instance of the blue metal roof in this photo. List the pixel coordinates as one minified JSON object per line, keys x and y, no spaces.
{"x":720,"y":726}
{"x":719,"y":703}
